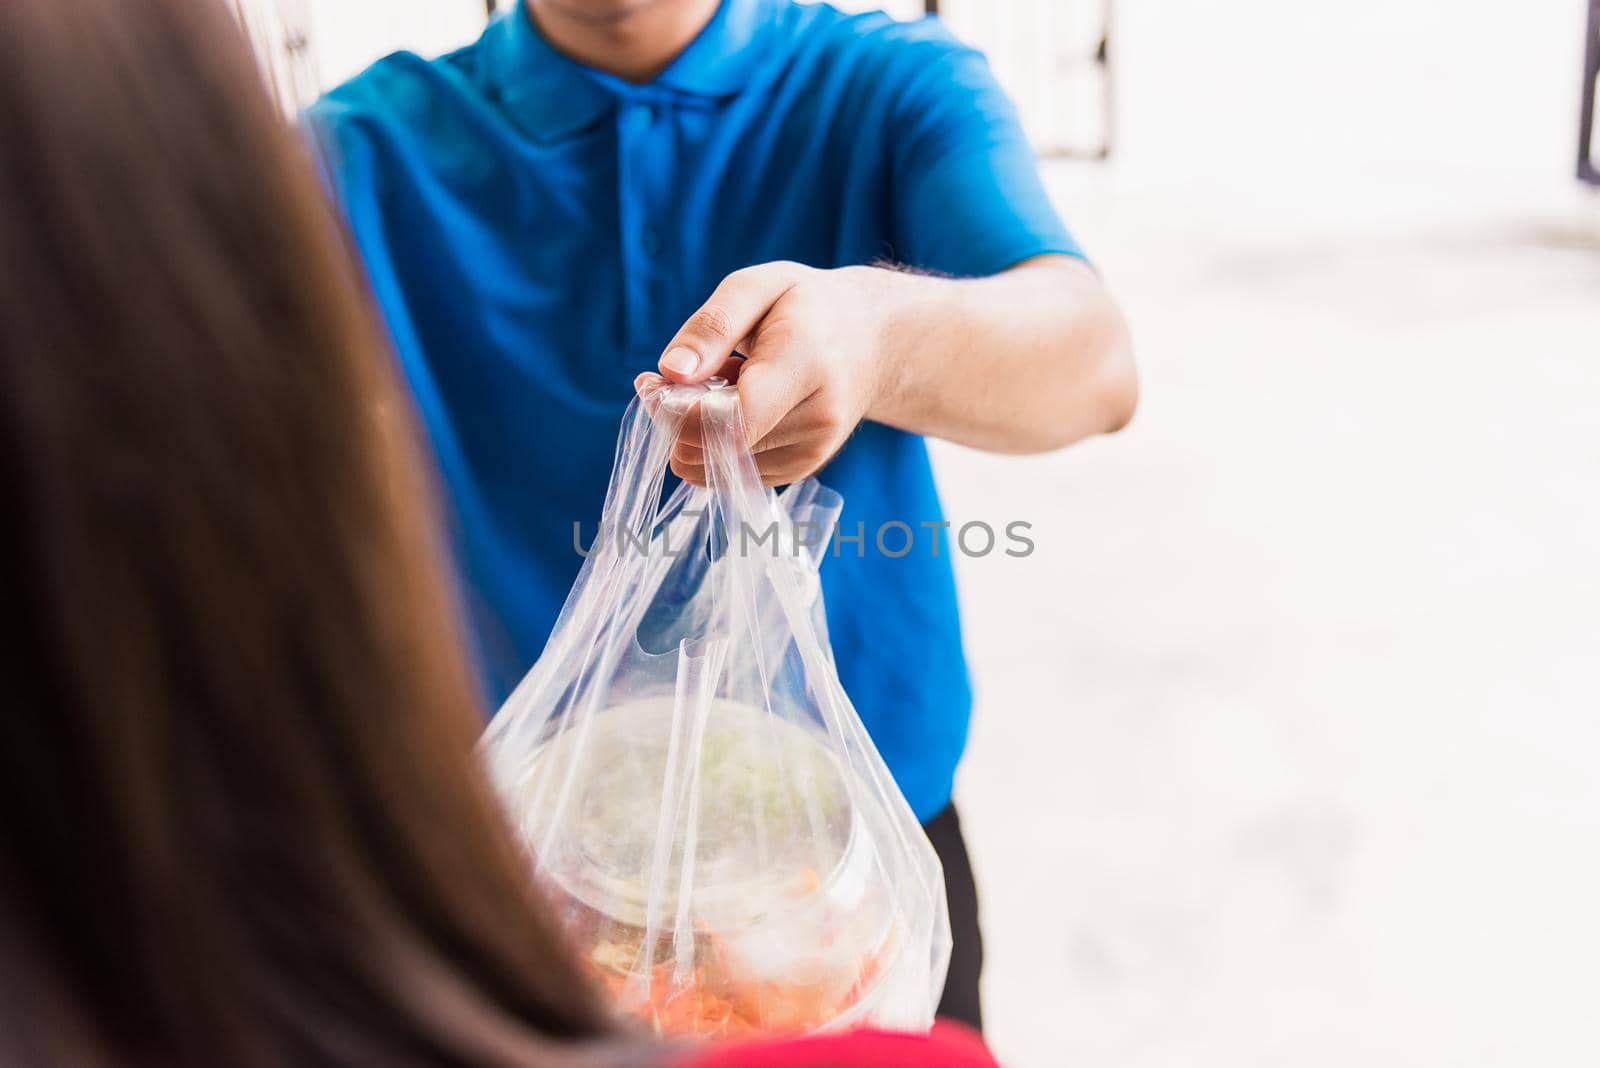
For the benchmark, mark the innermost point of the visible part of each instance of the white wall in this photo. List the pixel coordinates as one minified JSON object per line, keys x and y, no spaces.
{"x":344,"y":36}
{"x":1290,"y":758}
{"x":352,"y":33}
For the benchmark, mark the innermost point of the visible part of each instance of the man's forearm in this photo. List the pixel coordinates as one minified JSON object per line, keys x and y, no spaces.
{"x":1031,"y":359}
{"x":1028,"y":360}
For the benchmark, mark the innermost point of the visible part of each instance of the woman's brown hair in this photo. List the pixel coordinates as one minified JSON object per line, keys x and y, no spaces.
{"x":241,"y":817}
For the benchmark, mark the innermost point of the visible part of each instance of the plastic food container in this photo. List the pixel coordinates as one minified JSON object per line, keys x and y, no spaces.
{"x":771,"y":912}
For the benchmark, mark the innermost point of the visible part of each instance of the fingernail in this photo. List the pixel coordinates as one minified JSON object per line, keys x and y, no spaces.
{"x":680,"y":361}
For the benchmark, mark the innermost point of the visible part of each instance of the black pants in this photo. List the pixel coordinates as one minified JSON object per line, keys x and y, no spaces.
{"x":960,"y":1000}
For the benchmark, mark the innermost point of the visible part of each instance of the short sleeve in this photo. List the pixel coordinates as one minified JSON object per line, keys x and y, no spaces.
{"x":968,"y":200}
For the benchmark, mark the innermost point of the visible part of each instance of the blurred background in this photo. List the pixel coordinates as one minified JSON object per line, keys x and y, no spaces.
{"x":1287,"y":735}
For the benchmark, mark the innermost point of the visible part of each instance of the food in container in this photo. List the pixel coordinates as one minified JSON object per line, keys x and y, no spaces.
{"x":790,"y":928}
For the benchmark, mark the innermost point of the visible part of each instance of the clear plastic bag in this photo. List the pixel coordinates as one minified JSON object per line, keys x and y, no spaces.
{"x":726,"y":849}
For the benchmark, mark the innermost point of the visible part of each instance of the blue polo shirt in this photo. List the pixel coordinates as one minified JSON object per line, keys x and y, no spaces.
{"x":535,"y":231}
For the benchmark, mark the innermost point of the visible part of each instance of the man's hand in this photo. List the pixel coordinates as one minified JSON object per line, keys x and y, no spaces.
{"x":816,"y":362}
{"x":1029,"y":359}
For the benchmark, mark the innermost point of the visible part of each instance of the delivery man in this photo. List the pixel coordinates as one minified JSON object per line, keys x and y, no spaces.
{"x":596,"y":188}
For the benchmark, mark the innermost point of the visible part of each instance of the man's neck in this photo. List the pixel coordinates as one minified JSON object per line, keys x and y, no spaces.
{"x":633,"y":39}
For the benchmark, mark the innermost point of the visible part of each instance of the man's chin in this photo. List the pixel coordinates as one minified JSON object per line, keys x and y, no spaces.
{"x":597,"y":11}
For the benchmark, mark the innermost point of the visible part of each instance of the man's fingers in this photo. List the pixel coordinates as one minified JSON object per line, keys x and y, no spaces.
{"x":685,"y":453}
{"x":791,"y":463}
{"x":694,"y":474}
{"x":771,"y":388}
{"x":777,"y":467}
{"x":811,"y":420}
{"x":772,"y":384}
{"x":703,"y":344}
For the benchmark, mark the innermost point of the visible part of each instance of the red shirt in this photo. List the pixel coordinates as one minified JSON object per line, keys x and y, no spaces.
{"x":948,"y":1045}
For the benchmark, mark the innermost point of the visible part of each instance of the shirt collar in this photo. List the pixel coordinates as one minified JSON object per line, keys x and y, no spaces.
{"x":552,"y":97}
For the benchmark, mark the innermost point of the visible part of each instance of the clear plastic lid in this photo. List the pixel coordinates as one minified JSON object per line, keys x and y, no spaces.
{"x":771,"y":815}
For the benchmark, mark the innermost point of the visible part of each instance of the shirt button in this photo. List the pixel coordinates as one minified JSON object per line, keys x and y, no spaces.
{"x":639,"y":116}
{"x":649,"y":241}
